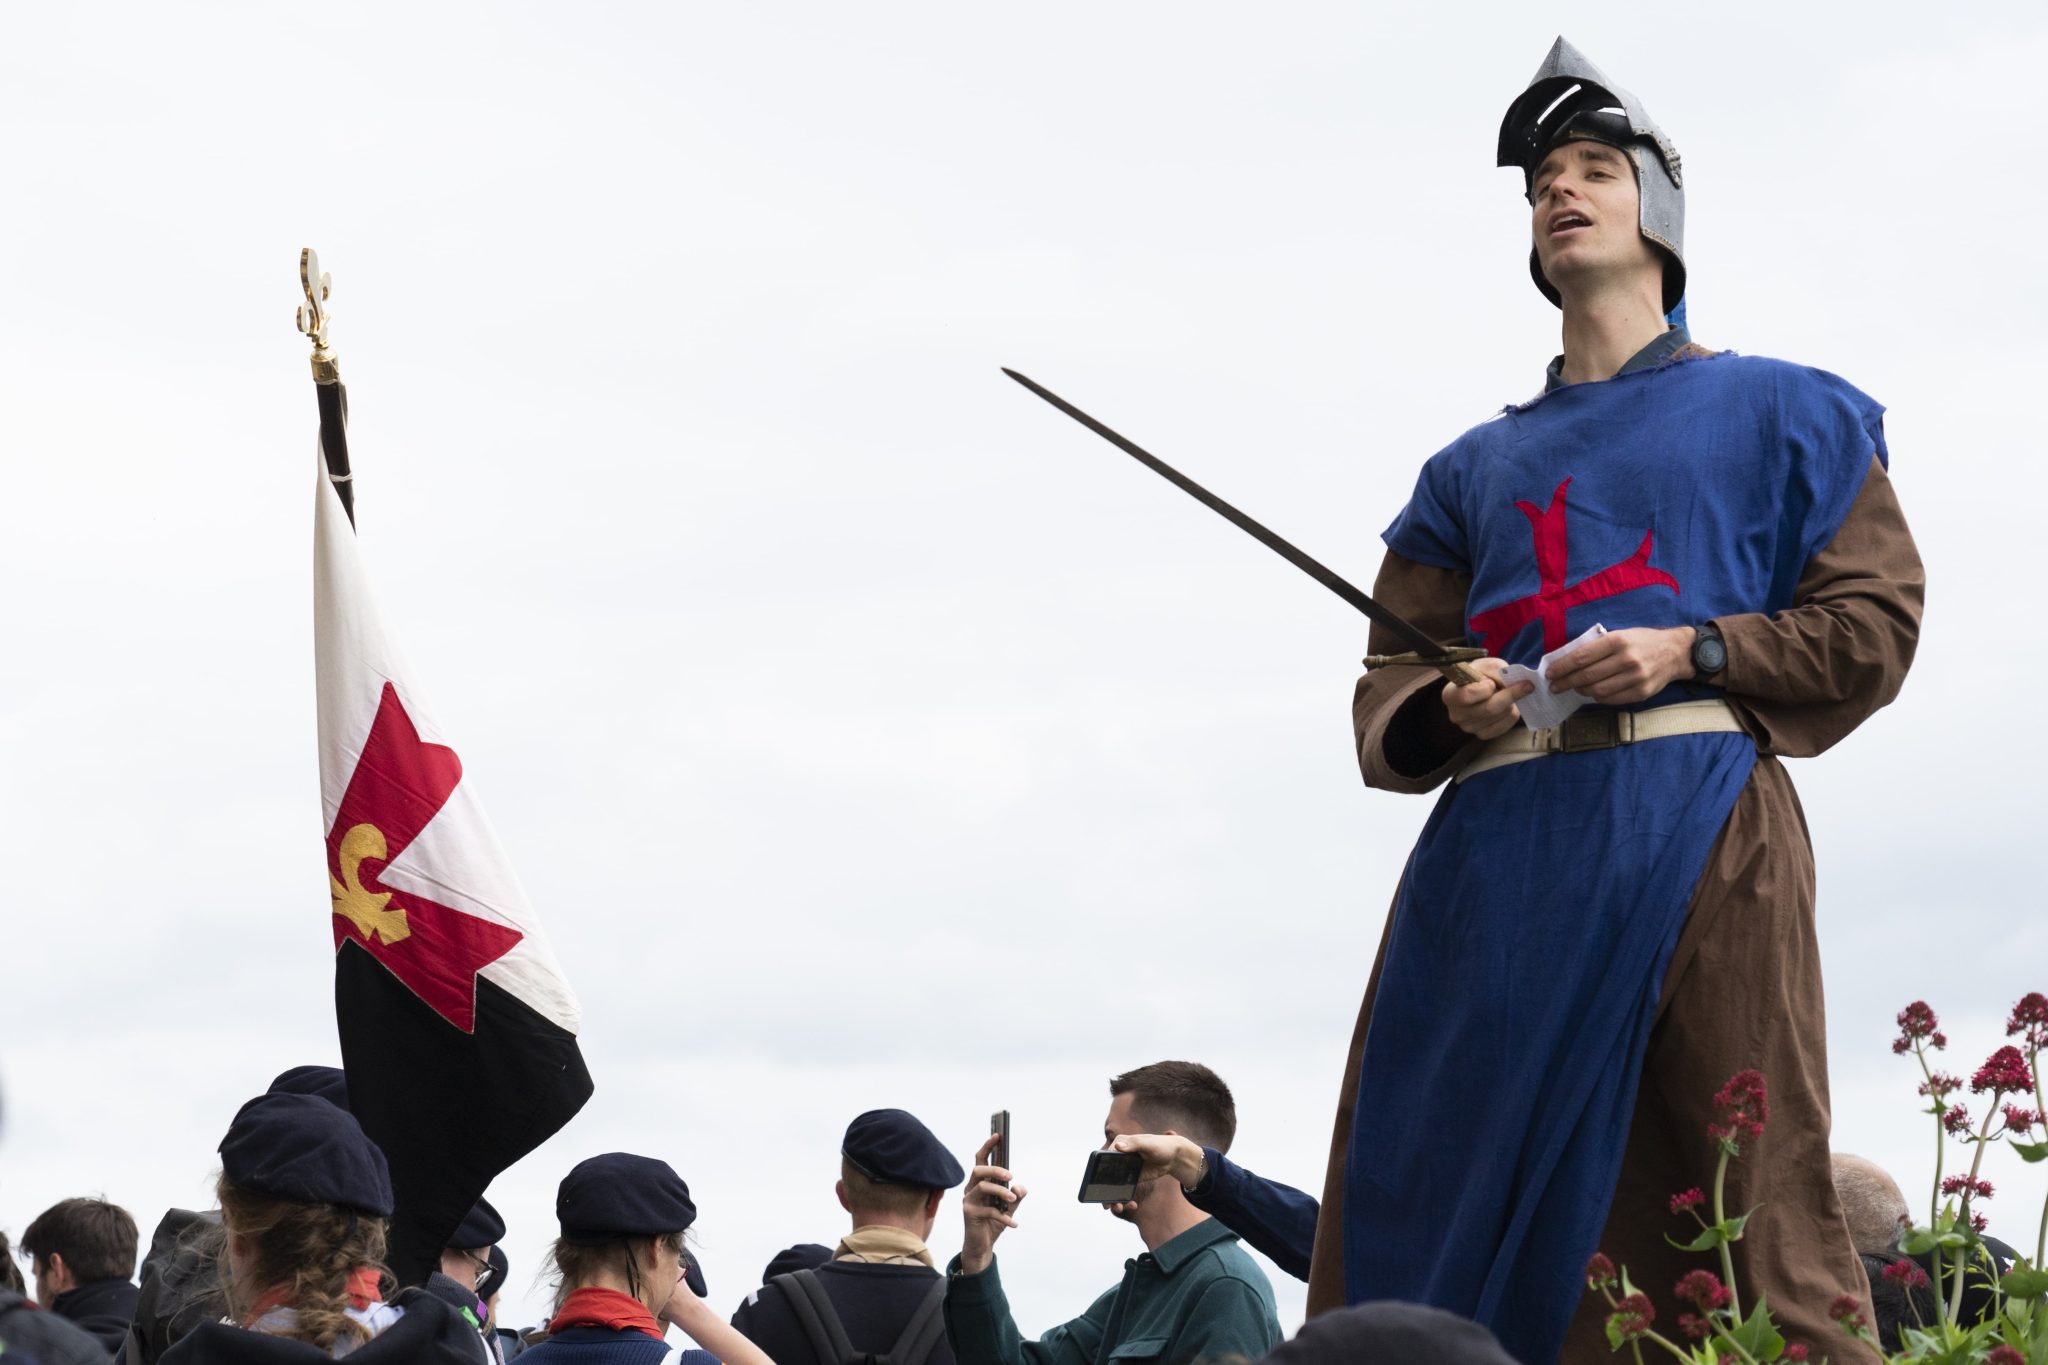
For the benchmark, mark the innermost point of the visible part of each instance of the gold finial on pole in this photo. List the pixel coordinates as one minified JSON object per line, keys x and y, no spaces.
{"x":313,"y":317}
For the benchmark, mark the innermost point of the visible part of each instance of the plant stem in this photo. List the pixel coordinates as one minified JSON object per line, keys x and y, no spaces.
{"x":1955,"y":1305}
{"x":2041,"y":1109}
{"x":1934,"y":1201}
{"x":1727,"y":1255}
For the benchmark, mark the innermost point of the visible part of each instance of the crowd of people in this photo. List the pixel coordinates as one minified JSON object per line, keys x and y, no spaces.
{"x":290,"y":1265}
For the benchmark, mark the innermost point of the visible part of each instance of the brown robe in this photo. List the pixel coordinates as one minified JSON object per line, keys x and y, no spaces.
{"x":1743,"y":987}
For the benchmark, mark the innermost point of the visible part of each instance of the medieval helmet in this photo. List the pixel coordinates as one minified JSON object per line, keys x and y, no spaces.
{"x":1568,"y":100}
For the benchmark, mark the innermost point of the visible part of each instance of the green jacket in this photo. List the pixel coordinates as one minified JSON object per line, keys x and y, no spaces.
{"x":1199,"y":1297}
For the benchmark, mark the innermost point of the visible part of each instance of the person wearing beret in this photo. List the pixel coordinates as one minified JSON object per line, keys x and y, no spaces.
{"x":462,"y":1280}
{"x":305,"y":1199}
{"x":622,"y":1275}
{"x":879,"y":1292}
{"x":1411,"y":1333}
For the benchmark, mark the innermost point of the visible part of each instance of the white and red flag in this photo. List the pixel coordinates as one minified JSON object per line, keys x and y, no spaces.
{"x":458,"y":1030}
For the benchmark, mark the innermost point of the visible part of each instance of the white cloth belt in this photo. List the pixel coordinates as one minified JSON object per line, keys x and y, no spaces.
{"x":1601,"y":729}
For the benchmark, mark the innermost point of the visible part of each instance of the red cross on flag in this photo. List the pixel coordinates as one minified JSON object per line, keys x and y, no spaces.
{"x":458,"y":1031}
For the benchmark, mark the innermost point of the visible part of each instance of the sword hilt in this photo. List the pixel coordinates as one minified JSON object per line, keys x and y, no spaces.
{"x":1451,"y":663}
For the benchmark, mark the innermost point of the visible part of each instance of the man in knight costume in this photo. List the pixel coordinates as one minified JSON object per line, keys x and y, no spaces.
{"x":1603,"y":922}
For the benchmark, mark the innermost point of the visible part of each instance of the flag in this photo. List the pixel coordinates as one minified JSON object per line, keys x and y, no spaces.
{"x":458,"y":1029}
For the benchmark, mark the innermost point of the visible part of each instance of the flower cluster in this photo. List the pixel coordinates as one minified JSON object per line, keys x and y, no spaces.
{"x":1703,"y":1290}
{"x":2030,"y":1017}
{"x":1847,"y":1309}
{"x":2020,"y":1121}
{"x":2005,"y":1355}
{"x":1632,"y":1316}
{"x":1957,"y":1120}
{"x":1796,"y":1352}
{"x":2005,"y":1072}
{"x":1940,"y":1083}
{"x":1688,"y":1199}
{"x":1916,"y":1024}
{"x":1966,"y":1185}
{"x":1906,"y":1275}
{"x":1741,"y":1108}
{"x":1599,"y":1272}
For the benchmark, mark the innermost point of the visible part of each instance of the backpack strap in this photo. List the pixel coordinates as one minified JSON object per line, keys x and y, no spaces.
{"x":921,"y":1334}
{"x":819,"y":1319}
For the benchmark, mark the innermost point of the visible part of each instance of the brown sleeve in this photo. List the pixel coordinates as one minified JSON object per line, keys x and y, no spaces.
{"x":1406,"y":742}
{"x":1806,"y":676}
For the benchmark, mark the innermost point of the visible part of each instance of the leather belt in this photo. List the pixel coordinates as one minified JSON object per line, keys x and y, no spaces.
{"x":1599,"y":728}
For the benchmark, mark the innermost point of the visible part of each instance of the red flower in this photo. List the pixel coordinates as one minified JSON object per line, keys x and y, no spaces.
{"x":1741,"y":1108}
{"x":1847,"y":1309}
{"x":2020,"y":1121}
{"x":1632,"y":1317}
{"x":2030,"y":1017}
{"x":1978,"y":1222}
{"x":1916,"y":1022}
{"x":2004,"y":1355}
{"x":1690,"y":1199}
{"x":1599,"y":1272}
{"x":2005,"y":1071}
{"x":1905,"y":1274}
{"x":1957,"y":1119}
{"x":1966,"y":1186}
{"x":1939,"y":1084}
{"x":1703,"y":1289}
{"x":1795,"y":1352}
{"x":1695,"y":1327}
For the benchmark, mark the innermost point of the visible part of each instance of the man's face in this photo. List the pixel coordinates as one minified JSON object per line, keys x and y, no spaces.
{"x":1584,"y":213}
{"x":1120,"y":1123}
{"x":466,"y":1266}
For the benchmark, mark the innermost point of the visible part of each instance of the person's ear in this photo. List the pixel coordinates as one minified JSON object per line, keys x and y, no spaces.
{"x":839,"y":1188}
{"x":932,"y":1202}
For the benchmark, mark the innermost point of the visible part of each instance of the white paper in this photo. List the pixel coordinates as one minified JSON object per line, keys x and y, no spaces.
{"x":1544,"y":709}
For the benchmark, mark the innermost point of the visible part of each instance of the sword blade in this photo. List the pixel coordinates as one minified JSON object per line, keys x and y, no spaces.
{"x":1408,"y":634}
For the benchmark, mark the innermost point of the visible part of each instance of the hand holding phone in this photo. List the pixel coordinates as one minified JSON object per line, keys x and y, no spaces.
{"x":1111,"y":1177}
{"x":989,"y":1204}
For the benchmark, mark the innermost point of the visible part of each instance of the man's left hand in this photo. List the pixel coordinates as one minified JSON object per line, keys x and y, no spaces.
{"x":1626,"y":665}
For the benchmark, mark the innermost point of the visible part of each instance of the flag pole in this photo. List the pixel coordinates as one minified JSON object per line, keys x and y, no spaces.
{"x":313,"y":320}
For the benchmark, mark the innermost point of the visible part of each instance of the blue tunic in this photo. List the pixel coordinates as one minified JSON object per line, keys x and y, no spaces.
{"x":1542,"y":901}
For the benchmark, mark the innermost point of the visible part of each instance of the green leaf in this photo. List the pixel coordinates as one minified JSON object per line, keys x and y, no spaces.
{"x":1614,"y":1337}
{"x":1758,"y":1335}
{"x":2031,"y":1151}
{"x":1720,"y":1234}
{"x":1919,"y":1242}
{"x":2025,"y":1284}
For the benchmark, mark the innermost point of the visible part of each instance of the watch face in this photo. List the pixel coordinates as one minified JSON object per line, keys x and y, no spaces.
{"x":1709,"y":655}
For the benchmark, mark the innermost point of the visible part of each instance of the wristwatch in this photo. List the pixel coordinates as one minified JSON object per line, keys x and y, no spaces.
{"x":1709,"y":651}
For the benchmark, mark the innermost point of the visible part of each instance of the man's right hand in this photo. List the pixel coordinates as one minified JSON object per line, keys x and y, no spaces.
{"x":989,"y":1205}
{"x":1485,"y":709}
{"x":1166,"y":1154}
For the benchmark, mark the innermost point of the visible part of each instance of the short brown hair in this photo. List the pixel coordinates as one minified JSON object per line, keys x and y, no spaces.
{"x":866,"y":1196}
{"x":96,"y":1239}
{"x":1186,"y":1097}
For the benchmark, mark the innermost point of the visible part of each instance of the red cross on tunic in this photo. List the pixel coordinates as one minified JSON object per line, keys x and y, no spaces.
{"x":1494,"y":628}
{"x":399,"y":783}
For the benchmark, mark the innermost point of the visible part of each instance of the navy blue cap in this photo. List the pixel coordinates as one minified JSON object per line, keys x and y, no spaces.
{"x":491,"y":1281}
{"x":1390,"y":1331}
{"x":891,"y":1146}
{"x":303,"y":1149}
{"x":622,"y":1195}
{"x":802,"y":1256}
{"x":481,"y":1227}
{"x":327,"y":1082}
{"x":693,"y":1275}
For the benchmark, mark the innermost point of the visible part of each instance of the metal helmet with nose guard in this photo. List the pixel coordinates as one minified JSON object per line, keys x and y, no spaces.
{"x":1569,"y":100}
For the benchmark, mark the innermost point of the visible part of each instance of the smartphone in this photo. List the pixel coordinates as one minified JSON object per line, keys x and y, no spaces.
{"x":1111,"y":1177}
{"x":999,"y":1124}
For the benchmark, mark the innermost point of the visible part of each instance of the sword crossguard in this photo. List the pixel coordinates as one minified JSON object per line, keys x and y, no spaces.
{"x":313,"y":317}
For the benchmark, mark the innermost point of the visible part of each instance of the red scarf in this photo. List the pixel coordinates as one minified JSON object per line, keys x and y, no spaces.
{"x":364,"y":1289}
{"x":594,"y":1307}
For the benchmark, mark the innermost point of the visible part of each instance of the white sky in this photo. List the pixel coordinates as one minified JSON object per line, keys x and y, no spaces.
{"x":865,"y":732}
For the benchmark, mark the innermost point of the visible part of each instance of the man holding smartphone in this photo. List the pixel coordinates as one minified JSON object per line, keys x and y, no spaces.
{"x":1193,"y":1294}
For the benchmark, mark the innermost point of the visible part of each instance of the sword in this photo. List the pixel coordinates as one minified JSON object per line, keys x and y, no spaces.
{"x":1450,"y":662}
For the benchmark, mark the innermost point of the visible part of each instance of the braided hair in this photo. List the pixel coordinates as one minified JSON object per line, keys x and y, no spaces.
{"x":308,"y":1251}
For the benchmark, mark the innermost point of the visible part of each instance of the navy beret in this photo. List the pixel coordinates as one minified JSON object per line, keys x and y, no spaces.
{"x":491,"y":1281}
{"x":1390,"y":1331}
{"x":802,"y":1256}
{"x":891,"y":1146}
{"x":302,"y":1149}
{"x":622,"y":1195}
{"x":481,"y":1227}
{"x":327,"y":1082}
{"x":693,"y":1275}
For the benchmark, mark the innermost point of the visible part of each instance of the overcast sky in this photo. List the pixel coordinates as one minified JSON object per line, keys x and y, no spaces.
{"x":866,"y":733}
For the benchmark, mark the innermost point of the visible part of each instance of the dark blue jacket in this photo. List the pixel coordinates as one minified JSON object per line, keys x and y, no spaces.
{"x":1275,"y":1220}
